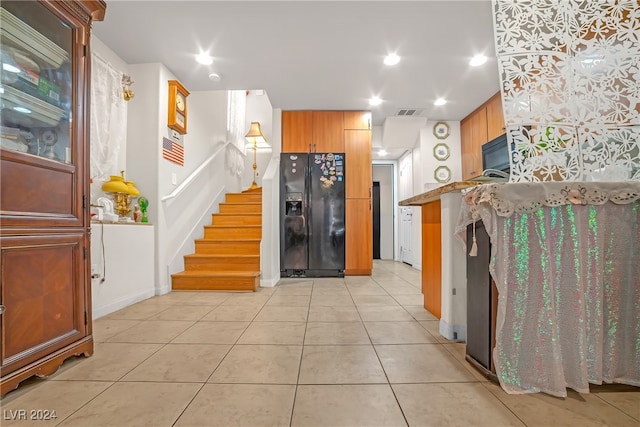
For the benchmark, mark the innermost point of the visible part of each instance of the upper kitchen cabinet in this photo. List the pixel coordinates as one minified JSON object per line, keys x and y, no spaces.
{"x":473,"y":133}
{"x":297,"y":131}
{"x":328,"y":128}
{"x":484,"y":124}
{"x":357,"y":120}
{"x":312,"y":132}
{"x":495,"y":117}
{"x":357,"y":151}
{"x":45,"y":292}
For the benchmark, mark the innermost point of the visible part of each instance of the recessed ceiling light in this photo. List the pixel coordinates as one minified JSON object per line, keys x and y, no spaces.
{"x":440,"y":101}
{"x":478,"y":60}
{"x":374,"y":100}
{"x":391,"y":59}
{"x":215,"y":77}
{"x":204,"y":59}
{"x":382,"y":152}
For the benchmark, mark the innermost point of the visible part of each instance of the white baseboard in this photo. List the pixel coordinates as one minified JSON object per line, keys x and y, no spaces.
{"x":269,"y":283}
{"x":456,"y":333}
{"x":164,"y":290}
{"x":98,"y":312}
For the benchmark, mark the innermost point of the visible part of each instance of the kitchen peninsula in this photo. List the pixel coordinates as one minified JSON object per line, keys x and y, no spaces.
{"x":444,"y":281}
{"x":564,"y":258}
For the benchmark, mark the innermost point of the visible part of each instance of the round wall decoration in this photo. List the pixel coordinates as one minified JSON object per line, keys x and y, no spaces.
{"x":441,"y":130}
{"x":441,"y":151}
{"x":442,"y":174}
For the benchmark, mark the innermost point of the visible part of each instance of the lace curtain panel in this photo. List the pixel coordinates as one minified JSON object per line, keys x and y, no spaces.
{"x":569,"y":78}
{"x":108,"y":119}
{"x":237,"y":107}
{"x":565,"y":258}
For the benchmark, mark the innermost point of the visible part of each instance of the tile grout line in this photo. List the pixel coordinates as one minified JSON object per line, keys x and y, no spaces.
{"x":304,"y":336}
{"x":382,"y":367}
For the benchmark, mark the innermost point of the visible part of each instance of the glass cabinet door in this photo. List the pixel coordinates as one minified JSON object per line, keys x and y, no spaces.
{"x":35,"y":81}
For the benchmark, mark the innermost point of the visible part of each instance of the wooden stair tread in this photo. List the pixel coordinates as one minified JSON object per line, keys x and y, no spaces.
{"x":221,"y":256}
{"x":237,"y":214}
{"x":234,"y":226}
{"x":205,"y":240}
{"x":210,"y":273}
{"x":241,"y":203}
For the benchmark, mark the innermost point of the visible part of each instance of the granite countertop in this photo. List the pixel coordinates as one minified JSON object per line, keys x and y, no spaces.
{"x":433,"y":195}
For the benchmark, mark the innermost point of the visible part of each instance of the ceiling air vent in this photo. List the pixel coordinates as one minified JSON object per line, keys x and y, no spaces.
{"x":409,"y":112}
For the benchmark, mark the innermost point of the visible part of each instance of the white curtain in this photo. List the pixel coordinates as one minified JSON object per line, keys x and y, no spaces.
{"x":236,"y":118}
{"x":108,"y":119}
{"x":236,"y":112}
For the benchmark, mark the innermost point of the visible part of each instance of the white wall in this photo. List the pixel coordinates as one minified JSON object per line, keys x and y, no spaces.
{"x":383,"y":173}
{"x":429,"y":163}
{"x":122,"y":256}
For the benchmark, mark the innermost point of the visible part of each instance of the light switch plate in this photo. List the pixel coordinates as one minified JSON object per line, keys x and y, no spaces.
{"x":174,"y":178}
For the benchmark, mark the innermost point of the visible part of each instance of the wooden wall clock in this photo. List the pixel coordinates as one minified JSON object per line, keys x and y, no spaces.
{"x":177,"y":119}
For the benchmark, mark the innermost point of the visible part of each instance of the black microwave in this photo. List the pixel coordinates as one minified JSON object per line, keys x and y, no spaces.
{"x":495,"y":154}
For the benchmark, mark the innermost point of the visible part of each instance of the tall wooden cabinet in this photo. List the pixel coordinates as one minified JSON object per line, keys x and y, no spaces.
{"x":312,"y":131}
{"x":359,"y":213}
{"x":359,"y":237}
{"x":484,"y":124}
{"x":44,"y":186}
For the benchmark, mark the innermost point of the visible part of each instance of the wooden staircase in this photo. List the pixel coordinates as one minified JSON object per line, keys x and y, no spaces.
{"x":228,"y":257}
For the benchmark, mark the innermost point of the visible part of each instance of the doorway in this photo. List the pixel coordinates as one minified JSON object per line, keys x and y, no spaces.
{"x":383,"y":175}
{"x":406,"y":230}
{"x":376,"y":220}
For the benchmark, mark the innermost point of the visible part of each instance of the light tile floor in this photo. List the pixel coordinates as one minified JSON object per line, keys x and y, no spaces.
{"x":358,"y":351}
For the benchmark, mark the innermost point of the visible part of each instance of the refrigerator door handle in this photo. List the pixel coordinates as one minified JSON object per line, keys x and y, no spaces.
{"x":307,"y":202}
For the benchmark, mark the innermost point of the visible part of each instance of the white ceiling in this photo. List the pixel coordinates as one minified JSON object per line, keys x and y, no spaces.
{"x":324,"y":55}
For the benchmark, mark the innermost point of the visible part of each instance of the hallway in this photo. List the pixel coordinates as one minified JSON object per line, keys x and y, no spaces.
{"x":358,"y":351}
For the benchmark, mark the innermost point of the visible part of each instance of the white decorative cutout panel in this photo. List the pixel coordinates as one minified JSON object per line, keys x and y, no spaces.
{"x":570,"y":73}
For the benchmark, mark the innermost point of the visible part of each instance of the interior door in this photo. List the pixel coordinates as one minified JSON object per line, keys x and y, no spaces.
{"x":406,"y":242}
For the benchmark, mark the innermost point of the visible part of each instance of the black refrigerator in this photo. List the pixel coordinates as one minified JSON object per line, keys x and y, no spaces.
{"x":312,"y":209}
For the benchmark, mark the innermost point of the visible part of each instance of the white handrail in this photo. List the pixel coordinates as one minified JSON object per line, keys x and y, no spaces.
{"x":195,"y":173}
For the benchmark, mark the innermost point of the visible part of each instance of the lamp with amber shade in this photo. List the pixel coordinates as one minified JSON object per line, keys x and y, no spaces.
{"x":255,"y":138}
{"x":122,"y":192}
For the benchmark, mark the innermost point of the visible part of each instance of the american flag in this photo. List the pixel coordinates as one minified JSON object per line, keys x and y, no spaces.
{"x":172,"y":151}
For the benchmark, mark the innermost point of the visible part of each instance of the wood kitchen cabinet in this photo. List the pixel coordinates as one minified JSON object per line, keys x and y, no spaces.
{"x":473,"y":133}
{"x":359,"y":237}
{"x":297,"y":131}
{"x":495,"y":117}
{"x":357,"y":145}
{"x":312,"y":132}
{"x":357,"y":120}
{"x":484,"y":124}
{"x":45,"y":289}
{"x":359,"y":213}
